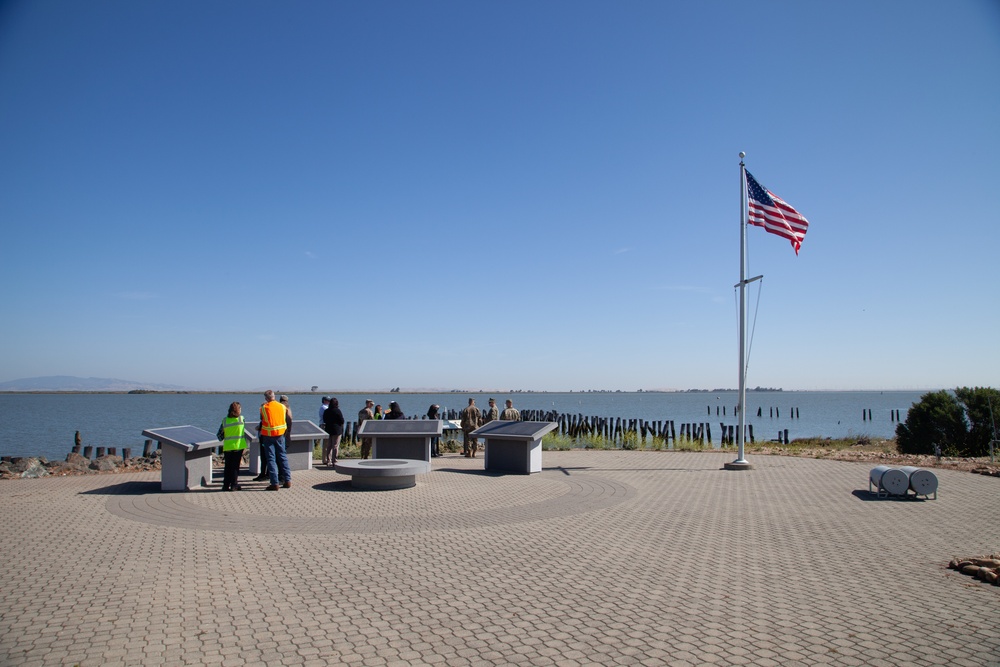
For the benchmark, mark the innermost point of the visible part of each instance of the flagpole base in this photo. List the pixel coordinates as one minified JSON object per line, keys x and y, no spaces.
{"x":739,"y":465}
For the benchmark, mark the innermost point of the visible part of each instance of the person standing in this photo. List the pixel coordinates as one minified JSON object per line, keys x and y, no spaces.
{"x":272,"y":442}
{"x":319,"y":421}
{"x":234,"y":441}
{"x":492,"y":413}
{"x":322,"y":408}
{"x":333,"y":424}
{"x":364,"y":414}
{"x":471,"y":417}
{"x":510,"y":413}
{"x":288,"y":420}
{"x":378,"y":413}
{"x":432,"y":413}
{"x":395,"y":412}
{"x":263,"y":457}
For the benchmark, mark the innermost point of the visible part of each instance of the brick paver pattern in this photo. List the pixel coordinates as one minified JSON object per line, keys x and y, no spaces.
{"x":604,"y":558}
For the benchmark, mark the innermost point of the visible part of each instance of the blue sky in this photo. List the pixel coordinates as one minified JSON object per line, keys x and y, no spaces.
{"x":498,"y":195}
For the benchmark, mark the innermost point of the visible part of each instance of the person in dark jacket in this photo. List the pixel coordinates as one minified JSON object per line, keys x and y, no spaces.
{"x":333,"y":424}
{"x":433,"y":413}
{"x":395,"y":412}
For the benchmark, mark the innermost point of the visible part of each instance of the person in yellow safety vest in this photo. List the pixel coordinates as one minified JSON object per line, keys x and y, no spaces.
{"x":234,"y":440}
{"x":272,"y":442}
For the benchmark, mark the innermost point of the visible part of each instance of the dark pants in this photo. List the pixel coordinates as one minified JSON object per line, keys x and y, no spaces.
{"x":231,"y":472}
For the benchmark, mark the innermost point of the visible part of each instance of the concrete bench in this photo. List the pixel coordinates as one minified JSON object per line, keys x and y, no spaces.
{"x":383,"y":474}
{"x":186,"y":456}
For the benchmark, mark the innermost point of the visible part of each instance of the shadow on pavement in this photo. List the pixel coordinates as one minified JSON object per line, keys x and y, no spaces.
{"x":569,"y":471}
{"x":477,"y":473}
{"x":340,"y":485}
{"x":126,"y":489}
{"x":864,"y":494}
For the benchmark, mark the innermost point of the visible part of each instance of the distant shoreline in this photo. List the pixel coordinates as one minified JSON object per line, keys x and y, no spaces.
{"x":362,"y":392}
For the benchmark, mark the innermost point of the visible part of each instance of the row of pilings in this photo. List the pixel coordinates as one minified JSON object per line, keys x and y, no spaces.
{"x":620,"y":431}
{"x":793,"y":413}
{"x":720,"y":410}
{"x":616,"y":431}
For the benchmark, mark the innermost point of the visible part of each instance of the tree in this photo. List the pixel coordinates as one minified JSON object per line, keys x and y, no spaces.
{"x":961,"y":423}
{"x":938,"y":419}
{"x":978,"y":403}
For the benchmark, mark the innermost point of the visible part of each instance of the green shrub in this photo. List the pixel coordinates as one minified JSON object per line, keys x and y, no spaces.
{"x":982,"y":407}
{"x":630,"y":440}
{"x":557,"y":442}
{"x":959,"y":423}
{"x":689,"y":445}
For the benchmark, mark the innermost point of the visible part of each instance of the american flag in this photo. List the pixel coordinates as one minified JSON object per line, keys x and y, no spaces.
{"x":769,"y":211}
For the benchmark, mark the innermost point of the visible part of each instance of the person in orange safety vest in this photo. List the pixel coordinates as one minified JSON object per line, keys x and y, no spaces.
{"x":272,"y":442}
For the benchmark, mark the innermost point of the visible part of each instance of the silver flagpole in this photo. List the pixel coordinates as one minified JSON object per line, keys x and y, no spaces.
{"x":741,"y":463}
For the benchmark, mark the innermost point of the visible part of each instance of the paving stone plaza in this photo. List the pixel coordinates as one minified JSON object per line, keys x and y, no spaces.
{"x":603,"y":558}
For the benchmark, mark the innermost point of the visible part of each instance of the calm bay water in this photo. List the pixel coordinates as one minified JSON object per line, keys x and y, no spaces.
{"x":44,"y":424}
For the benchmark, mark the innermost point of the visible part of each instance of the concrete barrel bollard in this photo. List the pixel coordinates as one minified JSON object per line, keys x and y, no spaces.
{"x":922,"y":482}
{"x":891,"y":480}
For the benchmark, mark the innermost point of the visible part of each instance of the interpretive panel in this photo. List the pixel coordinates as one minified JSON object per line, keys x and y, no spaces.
{"x":514,"y":446}
{"x":401,"y":438}
{"x":185,"y":456}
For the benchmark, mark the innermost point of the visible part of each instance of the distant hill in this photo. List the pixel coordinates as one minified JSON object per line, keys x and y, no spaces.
{"x":70,"y":383}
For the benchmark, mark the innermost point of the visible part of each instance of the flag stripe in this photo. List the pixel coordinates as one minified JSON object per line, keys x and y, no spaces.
{"x":766,"y":209}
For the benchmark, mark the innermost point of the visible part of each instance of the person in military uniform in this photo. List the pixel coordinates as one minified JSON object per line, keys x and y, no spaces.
{"x":364,"y":414}
{"x":492,"y":413}
{"x":471,"y":418}
{"x":510,"y":413}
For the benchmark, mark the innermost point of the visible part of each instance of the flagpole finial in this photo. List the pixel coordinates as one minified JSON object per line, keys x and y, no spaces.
{"x":742,"y":155}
